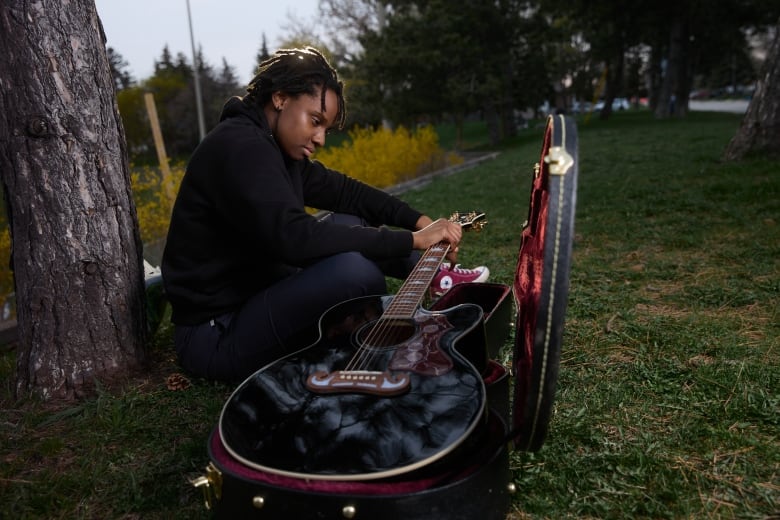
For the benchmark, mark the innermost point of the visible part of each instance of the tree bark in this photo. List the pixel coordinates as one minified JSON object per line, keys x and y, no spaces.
{"x":77,"y":254}
{"x":760,"y":128}
{"x":667,"y":104}
{"x":614,"y":84}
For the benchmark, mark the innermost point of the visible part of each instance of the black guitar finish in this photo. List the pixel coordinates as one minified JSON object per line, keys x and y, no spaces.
{"x":276,"y":423}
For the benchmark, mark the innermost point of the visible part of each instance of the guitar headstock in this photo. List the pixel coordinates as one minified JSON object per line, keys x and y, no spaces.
{"x":469,"y":219}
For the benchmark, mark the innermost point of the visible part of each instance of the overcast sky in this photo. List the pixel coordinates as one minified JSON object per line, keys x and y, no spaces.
{"x":139,"y":29}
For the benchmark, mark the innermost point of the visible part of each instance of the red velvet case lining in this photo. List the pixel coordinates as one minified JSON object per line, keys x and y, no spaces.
{"x":529,"y":276}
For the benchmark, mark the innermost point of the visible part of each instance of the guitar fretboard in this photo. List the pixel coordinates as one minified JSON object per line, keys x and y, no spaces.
{"x":410,"y":296}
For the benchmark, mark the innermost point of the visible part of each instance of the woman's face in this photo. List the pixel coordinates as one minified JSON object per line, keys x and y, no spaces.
{"x":301,"y":123}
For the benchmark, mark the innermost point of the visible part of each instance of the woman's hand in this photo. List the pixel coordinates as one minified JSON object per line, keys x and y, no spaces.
{"x":439,"y":230}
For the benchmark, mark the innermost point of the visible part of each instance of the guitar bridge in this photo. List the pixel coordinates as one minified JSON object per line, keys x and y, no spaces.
{"x":358,"y":381}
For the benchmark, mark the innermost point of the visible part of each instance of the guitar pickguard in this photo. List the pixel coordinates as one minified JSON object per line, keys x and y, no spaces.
{"x":421,"y":353}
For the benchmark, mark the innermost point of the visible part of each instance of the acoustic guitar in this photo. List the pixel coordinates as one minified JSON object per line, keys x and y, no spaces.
{"x":387,"y":388}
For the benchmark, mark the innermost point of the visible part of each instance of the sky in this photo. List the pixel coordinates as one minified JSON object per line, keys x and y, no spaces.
{"x":139,"y":29}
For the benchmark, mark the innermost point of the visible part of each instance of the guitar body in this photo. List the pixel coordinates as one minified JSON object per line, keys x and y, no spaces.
{"x":280,"y":421}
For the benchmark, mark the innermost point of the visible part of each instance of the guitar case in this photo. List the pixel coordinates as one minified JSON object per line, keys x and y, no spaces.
{"x":474,"y":481}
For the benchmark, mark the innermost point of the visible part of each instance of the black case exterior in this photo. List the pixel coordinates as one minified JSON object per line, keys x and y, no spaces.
{"x":478,"y":488}
{"x":541,"y":284}
{"x":477,"y":485}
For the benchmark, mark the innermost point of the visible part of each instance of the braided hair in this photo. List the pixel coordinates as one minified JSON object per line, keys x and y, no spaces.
{"x":296,"y":72}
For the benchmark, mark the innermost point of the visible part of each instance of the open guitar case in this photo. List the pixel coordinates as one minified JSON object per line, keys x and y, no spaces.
{"x":476,"y":483}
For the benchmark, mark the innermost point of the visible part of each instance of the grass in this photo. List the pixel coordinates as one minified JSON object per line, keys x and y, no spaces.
{"x":668,"y":402}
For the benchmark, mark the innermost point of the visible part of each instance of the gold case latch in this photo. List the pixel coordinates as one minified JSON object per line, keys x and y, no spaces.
{"x":211,"y":484}
{"x":559,"y":160}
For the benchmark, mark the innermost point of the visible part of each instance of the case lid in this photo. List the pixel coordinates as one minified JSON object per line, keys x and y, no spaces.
{"x":541,"y":282}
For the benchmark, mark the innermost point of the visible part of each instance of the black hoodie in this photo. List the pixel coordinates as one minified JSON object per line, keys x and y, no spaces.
{"x":239,"y":222}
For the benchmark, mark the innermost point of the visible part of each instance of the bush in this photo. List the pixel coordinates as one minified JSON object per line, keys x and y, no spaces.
{"x":153,"y":202}
{"x":385,"y":157}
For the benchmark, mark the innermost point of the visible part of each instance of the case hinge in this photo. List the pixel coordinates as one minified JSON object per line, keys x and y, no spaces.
{"x":211,"y":484}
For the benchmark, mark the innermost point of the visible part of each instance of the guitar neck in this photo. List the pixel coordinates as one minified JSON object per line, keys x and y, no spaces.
{"x":410,"y":296}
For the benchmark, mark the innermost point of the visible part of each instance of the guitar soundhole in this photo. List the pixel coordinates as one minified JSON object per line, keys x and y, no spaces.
{"x":385,"y":334}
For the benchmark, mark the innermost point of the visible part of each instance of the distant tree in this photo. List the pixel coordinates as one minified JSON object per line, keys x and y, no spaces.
{"x":174,"y":94}
{"x":122,"y":78}
{"x":76,"y":246}
{"x":138,"y":132}
{"x":299,"y":32}
{"x":262,"y":54}
{"x":609,"y":30}
{"x":760,"y":128}
{"x":702,"y":38}
{"x":428,"y":61}
{"x":347,"y":21}
{"x":217,"y":87}
{"x":227,"y":80}
{"x":555,"y":61}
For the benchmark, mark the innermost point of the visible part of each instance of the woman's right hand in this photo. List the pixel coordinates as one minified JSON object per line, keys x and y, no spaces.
{"x":440,"y":230}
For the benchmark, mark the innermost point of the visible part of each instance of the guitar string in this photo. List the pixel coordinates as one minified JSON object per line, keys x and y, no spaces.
{"x":437,"y":252}
{"x":381,"y":328}
{"x":386,"y":331}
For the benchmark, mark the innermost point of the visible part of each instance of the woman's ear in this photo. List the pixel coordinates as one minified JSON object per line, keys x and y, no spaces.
{"x":279,"y":99}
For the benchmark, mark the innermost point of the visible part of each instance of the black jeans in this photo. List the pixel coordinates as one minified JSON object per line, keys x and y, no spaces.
{"x":271,"y":324}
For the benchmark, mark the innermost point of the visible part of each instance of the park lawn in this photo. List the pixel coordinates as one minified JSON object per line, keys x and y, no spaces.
{"x":668,"y":402}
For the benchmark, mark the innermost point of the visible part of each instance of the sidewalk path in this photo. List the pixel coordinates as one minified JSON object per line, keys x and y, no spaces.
{"x":735,"y":106}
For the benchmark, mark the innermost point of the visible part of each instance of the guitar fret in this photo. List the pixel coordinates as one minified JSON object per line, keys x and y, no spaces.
{"x":409,"y":297}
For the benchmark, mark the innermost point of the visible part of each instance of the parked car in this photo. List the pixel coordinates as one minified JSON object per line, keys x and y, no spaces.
{"x":617,"y":104}
{"x":580,"y":107}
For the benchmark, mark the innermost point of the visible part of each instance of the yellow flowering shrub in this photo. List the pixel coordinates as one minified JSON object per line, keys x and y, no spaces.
{"x":385,"y":157}
{"x":153,"y":202}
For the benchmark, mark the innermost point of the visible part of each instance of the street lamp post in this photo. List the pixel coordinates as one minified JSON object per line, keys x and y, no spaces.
{"x":196,"y":77}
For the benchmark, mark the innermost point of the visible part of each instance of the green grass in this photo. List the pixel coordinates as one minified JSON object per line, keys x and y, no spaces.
{"x":668,"y":402}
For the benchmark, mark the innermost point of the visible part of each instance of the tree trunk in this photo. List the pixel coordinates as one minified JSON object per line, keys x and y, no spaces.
{"x":614,"y":83}
{"x":760,"y":128}
{"x":667,"y":98}
{"x":493,"y":122}
{"x":76,"y":254}
{"x":654,"y":80}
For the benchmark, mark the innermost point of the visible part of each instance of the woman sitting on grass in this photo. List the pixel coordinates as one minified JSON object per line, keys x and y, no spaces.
{"x":245,"y":267}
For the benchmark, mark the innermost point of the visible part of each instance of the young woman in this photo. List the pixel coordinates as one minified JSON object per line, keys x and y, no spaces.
{"x":245,"y":267}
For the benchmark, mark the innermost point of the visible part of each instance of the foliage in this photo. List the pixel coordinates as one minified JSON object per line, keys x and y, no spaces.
{"x":118,"y":65}
{"x":152,"y":202}
{"x":138,"y":132}
{"x":385,"y":157}
{"x":174,"y":95}
{"x":409,"y":62}
{"x":428,"y":60}
{"x":659,"y":49}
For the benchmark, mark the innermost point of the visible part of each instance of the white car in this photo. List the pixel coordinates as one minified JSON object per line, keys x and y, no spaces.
{"x":617,"y":104}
